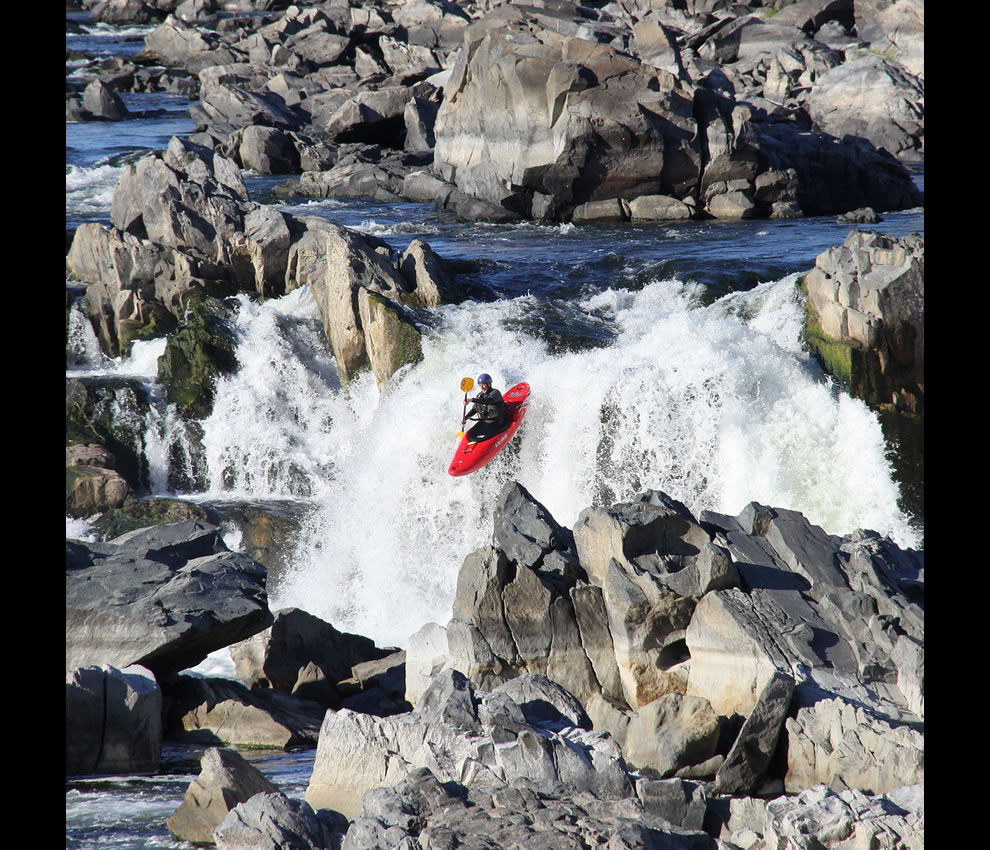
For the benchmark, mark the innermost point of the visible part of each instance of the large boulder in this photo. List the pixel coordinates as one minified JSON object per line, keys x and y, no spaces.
{"x":873,"y":98}
{"x":273,"y":819}
{"x":303,"y":655}
{"x":163,"y":597}
{"x":225,"y":779}
{"x":866,"y":315}
{"x":541,"y":115}
{"x":113,"y":720}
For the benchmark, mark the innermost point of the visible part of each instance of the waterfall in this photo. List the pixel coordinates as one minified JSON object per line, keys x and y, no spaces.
{"x":716,"y":404}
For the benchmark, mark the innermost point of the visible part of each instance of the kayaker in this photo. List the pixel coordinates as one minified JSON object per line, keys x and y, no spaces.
{"x":489,"y":407}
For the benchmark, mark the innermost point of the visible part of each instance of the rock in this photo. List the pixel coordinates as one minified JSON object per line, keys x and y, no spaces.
{"x":544,"y":702}
{"x":521,"y":813}
{"x":658,"y":208}
{"x":268,"y":151}
{"x":272,"y":819}
{"x":875,"y":99}
{"x":747,"y":761}
{"x":580,"y":128}
{"x":839,"y":738}
{"x":670,"y":733}
{"x":113,"y":720}
{"x":426,"y":656}
{"x":225,"y":779}
{"x":391,"y":338}
{"x":195,"y":357}
{"x":101,"y":102}
{"x":821,"y":817}
{"x":866,"y":314}
{"x":635,"y":533}
{"x":431,"y":281}
{"x":276,"y":657}
{"x":91,"y":490}
{"x":163,"y":597}
{"x":223,"y":712}
{"x":677,"y":801}
{"x":473,"y":744}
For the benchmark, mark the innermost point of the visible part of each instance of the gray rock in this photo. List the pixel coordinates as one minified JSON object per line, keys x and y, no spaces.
{"x":750,"y":755}
{"x":113,"y":721}
{"x":271,"y":819}
{"x":101,"y":102}
{"x":544,"y":702}
{"x":670,"y":733}
{"x":872,"y":98}
{"x":163,"y":597}
{"x":225,"y":779}
{"x":276,"y":656}
{"x":222,"y":712}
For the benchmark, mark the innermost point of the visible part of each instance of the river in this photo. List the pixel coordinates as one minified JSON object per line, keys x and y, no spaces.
{"x":664,"y":356}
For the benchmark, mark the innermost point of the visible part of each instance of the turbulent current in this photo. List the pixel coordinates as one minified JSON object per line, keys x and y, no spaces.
{"x":713,"y":401}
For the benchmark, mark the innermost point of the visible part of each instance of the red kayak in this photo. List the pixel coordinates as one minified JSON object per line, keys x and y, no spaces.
{"x":473,"y":454}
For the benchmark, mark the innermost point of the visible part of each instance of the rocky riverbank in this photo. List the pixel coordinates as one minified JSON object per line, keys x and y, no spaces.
{"x":551,"y":110}
{"x":646,"y":676}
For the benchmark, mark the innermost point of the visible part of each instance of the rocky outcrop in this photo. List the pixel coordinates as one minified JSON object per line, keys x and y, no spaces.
{"x":672,"y":630}
{"x":113,"y":720}
{"x":184,"y":232}
{"x":302,"y":655}
{"x":560,"y":113}
{"x":866,"y":316}
{"x":163,"y":597}
{"x":225,"y":712}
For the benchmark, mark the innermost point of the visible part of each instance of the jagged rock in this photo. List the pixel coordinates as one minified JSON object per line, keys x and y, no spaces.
{"x":163,"y":597}
{"x":102,"y":102}
{"x":272,"y":819}
{"x":872,"y":98}
{"x":820,"y":817}
{"x":486,"y":743}
{"x":225,"y":779}
{"x":221,"y":711}
{"x":840,"y":737}
{"x":277,"y":656}
{"x":113,"y":720}
{"x":747,"y":761}
{"x":426,"y":656}
{"x":866,"y":316}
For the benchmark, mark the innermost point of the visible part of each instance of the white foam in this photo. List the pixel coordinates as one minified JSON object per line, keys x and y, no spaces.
{"x":715,"y":405}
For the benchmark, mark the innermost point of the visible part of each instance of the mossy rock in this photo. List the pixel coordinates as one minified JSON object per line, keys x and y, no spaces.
{"x":159,"y":322}
{"x":141,"y":513}
{"x":195,"y":356}
{"x":858,"y":370}
{"x":112,"y":413}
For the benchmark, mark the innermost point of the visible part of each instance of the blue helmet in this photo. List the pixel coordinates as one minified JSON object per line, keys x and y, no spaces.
{"x":484,"y":378}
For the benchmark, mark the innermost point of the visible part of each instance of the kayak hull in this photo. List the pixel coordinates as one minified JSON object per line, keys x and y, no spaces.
{"x":471,"y":456}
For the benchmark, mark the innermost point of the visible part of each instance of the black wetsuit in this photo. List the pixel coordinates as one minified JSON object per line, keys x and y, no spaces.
{"x":491,"y":413}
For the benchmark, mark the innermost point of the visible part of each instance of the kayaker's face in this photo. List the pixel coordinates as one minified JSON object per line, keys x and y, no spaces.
{"x":485,"y":387}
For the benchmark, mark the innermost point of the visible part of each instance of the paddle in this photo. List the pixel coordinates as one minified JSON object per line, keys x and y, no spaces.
{"x":466,"y":385}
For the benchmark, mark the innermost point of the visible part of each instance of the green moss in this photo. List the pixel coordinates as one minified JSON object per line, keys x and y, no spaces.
{"x":135,"y":513}
{"x":195,"y":356}
{"x":856,"y":369}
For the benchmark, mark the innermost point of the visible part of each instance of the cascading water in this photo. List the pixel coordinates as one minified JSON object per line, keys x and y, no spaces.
{"x":715,"y":404}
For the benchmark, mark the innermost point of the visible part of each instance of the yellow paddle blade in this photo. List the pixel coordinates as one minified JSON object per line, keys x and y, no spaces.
{"x":467,"y":384}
